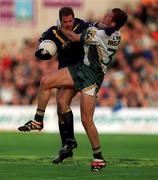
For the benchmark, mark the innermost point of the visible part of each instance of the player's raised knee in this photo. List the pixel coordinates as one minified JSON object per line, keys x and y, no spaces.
{"x":44,"y":83}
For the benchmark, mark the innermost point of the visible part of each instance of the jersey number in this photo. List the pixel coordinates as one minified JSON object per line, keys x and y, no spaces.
{"x":112,"y":53}
{"x":90,"y":35}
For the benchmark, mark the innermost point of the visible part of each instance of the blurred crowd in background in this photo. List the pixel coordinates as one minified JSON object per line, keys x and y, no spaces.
{"x":132,"y":80}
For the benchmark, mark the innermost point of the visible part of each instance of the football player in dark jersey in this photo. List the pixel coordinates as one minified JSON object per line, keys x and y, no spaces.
{"x":68,"y":54}
{"x":100,"y":46}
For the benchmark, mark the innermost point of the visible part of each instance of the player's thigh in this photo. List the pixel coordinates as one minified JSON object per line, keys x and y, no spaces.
{"x":58,"y":79}
{"x":87,"y":106}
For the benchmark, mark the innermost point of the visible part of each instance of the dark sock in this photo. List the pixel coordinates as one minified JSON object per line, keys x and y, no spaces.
{"x":63,"y":132}
{"x":68,"y":119}
{"x":39,"y":115}
{"x":97,"y":153}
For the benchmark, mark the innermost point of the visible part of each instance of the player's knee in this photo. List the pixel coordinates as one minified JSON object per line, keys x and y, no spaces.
{"x":62,"y":104}
{"x":86,"y":121}
{"x":44,"y":82}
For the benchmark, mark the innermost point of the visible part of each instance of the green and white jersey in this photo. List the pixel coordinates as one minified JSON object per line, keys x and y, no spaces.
{"x":99,"y":48}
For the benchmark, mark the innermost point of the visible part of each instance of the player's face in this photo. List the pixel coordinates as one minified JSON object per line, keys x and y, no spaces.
{"x":67,"y":22}
{"x":108,"y":19}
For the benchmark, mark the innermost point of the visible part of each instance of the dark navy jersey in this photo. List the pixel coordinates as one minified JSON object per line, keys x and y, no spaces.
{"x":69,"y":53}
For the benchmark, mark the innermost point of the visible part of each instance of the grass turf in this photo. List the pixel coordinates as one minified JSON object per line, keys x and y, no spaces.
{"x":26,"y":156}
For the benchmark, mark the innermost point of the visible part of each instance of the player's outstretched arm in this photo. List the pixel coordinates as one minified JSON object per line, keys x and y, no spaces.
{"x":70,"y":35}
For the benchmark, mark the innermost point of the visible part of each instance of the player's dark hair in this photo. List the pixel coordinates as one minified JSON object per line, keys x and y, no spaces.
{"x":119,"y":17}
{"x":66,"y":11}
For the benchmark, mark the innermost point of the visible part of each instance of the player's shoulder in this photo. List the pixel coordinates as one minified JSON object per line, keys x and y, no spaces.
{"x":92,"y":28}
{"x":117,"y":33}
{"x":81,"y":23}
{"x":48,"y":33}
{"x":78,"y":20}
{"x":108,"y":32}
{"x":52,"y":28}
{"x":100,"y":33}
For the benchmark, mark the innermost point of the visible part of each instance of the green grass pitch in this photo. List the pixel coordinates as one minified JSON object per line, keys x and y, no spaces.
{"x":27,"y":156}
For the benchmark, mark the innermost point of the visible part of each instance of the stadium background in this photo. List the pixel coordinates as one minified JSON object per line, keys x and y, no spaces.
{"x":128,"y":99}
{"x":126,"y":114}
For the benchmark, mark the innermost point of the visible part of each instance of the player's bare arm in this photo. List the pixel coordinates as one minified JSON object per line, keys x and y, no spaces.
{"x":70,"y":35}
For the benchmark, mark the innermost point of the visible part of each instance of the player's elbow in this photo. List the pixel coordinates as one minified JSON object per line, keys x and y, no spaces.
{"x":73,"y":40}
